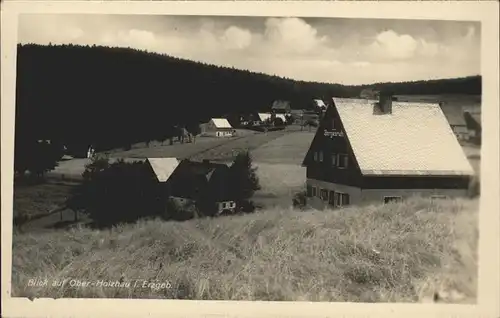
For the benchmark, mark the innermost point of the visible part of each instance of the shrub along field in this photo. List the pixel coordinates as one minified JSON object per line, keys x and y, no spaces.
{"x":393,"y":253}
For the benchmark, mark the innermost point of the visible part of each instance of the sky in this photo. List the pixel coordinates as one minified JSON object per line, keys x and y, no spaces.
{"x":331,"y":50}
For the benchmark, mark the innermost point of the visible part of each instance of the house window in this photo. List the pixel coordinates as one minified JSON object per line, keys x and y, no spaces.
{"x":313,"y":191}
{"x":309,"y":191}
{"x":439,"y":197}
{"x":334,"y":159}
{"x":321,"y":156}
{"x":342,"y":160}
{"x":315,"y":156}
{"x":324,"y":194}
{"x":341,"y":199}
{"x":392,"y":199}
{"x":331,"y":198}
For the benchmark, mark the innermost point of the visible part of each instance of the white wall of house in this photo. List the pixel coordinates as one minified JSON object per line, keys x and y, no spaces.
{"x":317,"y":202}
{"x":223,"y":133}
{"x":226,"y":205}
{"x":377,"y":195}
{"x":359,"y":196}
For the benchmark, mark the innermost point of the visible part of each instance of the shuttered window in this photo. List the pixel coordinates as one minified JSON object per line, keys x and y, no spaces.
{"x":324,"y":194}
{"x":392,"y":199}
{"x":342,"y":160}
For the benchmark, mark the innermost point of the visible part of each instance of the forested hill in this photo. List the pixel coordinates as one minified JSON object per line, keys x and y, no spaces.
{"x":116,"y":96}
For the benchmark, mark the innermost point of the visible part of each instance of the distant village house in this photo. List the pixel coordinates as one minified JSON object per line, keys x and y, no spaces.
{"x":218,"y":127}
{"x":281,"y":107}
{"x":368,"y":151}
{"x":456,"y":120}
{"x":473,"y":122}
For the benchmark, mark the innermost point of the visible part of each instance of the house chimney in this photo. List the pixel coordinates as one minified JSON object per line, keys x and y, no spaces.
{"x":206,"y":161}
{"x":385,"y":102}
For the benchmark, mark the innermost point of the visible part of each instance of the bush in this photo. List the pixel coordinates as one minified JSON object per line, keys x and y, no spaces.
{"x":118,"y":192}
{"x":37,"y":157}
{"x":300,"y":199}
{"x":243,"y":179}
{"x":180,"y":212}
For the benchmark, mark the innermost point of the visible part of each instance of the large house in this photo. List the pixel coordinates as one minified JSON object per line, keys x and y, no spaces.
{"x":369,"y":151}
{"x":218,"y":127}
{"x":203,"y":184}
{"x":281,"y":107}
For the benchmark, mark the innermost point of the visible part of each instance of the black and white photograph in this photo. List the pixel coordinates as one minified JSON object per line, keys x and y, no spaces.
{"x":276,"y":158}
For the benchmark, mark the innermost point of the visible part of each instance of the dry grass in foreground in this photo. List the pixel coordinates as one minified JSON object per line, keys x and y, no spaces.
{"x":392,"y":253}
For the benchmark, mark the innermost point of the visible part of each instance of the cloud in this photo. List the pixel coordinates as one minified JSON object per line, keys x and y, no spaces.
{"x":292,"y":35}
{"x":236,"y":38}
{"x":389,"y":44}
{"x":327,"y":50}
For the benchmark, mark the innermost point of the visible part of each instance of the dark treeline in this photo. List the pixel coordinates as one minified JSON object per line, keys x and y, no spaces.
{"x":470,"y":85}
{"x":113,"y":97}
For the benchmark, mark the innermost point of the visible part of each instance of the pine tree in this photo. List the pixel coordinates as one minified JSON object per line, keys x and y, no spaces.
{"x":244,"y":180}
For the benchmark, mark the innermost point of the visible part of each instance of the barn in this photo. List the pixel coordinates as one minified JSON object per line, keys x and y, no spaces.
{"x":367,"y":151}
{"x":218,"y":127}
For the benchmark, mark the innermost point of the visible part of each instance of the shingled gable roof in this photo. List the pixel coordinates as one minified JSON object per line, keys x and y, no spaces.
{"x":221,"y":123}
{"x":199,"y":168}
{"x":415,"y":139}
{"x":162,"y":167}
{"x":319,"y":103}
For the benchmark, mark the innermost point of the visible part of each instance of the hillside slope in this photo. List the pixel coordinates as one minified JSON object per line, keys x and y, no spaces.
{"x":391,"y":253}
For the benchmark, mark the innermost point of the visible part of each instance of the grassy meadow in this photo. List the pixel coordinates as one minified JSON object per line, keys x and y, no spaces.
{"x":393,"y":253}
{"x":380,"y":253}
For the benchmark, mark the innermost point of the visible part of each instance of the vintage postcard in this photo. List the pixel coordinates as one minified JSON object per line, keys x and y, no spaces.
{"x":250,"y":159}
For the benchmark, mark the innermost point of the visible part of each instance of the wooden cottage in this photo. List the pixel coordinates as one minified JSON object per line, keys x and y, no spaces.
{"x":218,"y":127}
{"x":369,"y":151}
{"x":205,"y":184}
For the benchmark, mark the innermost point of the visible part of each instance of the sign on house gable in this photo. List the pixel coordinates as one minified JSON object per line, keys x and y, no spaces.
{"x":330,"y":129}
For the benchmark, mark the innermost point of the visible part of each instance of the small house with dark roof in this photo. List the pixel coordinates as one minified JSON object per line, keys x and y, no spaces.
{"x":160,"y":168}
{"x":281,"y":107}
{"x":205,"y":184}
{"x":455,"y":118}
{"x":369,"y":151}
{"x":320,"y":104}
{"x":473,"y":122}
